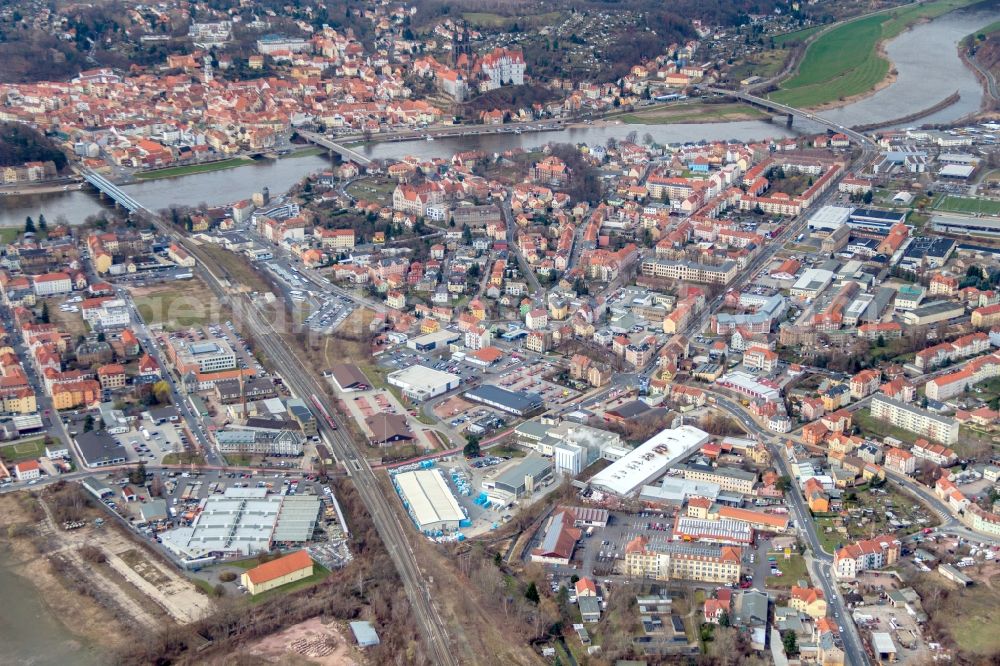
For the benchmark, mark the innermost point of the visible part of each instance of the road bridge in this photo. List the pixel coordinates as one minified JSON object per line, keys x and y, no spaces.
{"x":107,"y":188}
{"x":343,"y":151}
{"x":793,"y":112}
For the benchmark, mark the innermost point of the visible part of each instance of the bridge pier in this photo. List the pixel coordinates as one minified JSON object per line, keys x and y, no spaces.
{"x":788,"y":120}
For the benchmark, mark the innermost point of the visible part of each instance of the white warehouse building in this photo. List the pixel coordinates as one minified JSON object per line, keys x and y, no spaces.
{"x":649,"y":460}
{"x":429,"y":500}
{"x":418,"y":382}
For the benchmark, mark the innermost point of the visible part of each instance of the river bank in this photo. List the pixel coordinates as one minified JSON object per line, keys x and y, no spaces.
{"x":42,"y":188}
{"x":52,"y":622}
{"x":850,"y":63}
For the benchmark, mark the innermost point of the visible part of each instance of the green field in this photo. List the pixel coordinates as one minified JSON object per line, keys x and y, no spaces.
{"x":843,"y":62}
{"x":792,"y":570}
{"x":692,"y":113}
{"x":969,"y":617}
{"x":956,"y":204}
{"x":796,"y":37}
{"x":868,"y":424}
{"x":26,"y":450}
{"x":9,"y":234}
{"x":191,"y":169}
{"x":498,"y":21}
{"x":177,"y":305}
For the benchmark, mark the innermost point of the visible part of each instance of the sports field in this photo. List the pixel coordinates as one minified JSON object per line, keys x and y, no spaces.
{"x":26,"y":450}
{"x":954,"y":204}
{"x":844,"y":61}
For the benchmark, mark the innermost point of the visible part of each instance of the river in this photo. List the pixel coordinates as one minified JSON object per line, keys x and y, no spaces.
{"x":29,"y":634}
{"x":925,"y":57}
{"x":928,"y":70}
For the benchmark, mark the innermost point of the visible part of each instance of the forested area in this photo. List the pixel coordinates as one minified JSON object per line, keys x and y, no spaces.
{"x":20,"y":143}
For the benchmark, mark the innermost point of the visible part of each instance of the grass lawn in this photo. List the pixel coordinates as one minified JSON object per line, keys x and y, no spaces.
{"x":176,"y":305}
{"x":376,"y":188}
{"x":71,"y":323}
{"x":191,"y":169}
{"x":305,"y":152}
{"x":796,"y":37}
{"x":956,"y":204}
{"x":828,"y":540}
{"x":26,"y":450}
{"x":240,"y":459}
{"x":870,"y":425}
{"x":9,"y":234}
{"x":843,"y":62}
{"x":237,"y":267}
{"x":319,"y":573}
{"x":692,"y":113}
{"x":969,"y":616}
{"x":508,"y":450}
{"x":764,"y":64}
{"x":792,"y":570}
{"x":184,"y":459}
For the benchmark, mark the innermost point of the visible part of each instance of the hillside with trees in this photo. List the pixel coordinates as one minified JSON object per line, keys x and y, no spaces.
{"x":20,"y":143}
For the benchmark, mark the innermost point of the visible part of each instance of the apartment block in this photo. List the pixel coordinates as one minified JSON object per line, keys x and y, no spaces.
{"x":899,"y":414}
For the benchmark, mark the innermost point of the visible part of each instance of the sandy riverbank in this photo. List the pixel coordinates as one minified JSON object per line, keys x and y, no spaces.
{"x":23,"y":190}
{"x":886,"y":81}
{"x":82,"y":616}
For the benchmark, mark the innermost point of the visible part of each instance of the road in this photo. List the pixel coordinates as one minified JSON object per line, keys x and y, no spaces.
{"x":990,"y":80}
{"x":855,"y":136}
{"x":512,"y":247}
{"x":820,"y":562}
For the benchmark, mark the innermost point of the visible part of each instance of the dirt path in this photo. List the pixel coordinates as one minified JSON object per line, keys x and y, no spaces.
{"x":167,"y":589}
{"x":99,"y":578}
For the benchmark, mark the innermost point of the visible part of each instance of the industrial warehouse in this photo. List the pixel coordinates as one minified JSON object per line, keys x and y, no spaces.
{"x":524,"y":403}
{"x":418,"y":382}
{"x":649,"y":461}
{"x":429,"y":500}
{"x":244,"y":521}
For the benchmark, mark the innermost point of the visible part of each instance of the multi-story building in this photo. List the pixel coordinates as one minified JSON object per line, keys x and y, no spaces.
{"x":681,"y":561}
{"x":983,"y":521}
{"x":210,"y":355}
{"x":900,"y":460}
{"x":731,"y":479}
{"x":690,"y":271}
{"x":85,"y":392}
{"x":111,"y":376}
{"x":808,"y":600}
{"x":336,"y":239}
{"x":761,"y":359}
{"x":986,"y":316}
{"x":502,"y":67}
{"x":865,"y":555}
{"x":865,"y":383}
{"x":104,"y":314}
{"x":936,"y":453}
{"x":914,"y":419}
{"x":53,"y":284}
{"x":956,"y":383}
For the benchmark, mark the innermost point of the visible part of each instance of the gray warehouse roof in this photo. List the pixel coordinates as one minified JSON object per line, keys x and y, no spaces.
{"x":522,"y":402}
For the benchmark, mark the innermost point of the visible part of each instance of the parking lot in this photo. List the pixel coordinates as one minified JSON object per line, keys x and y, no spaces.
{"x":403,"y":357}
{"x":151,"y":441}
